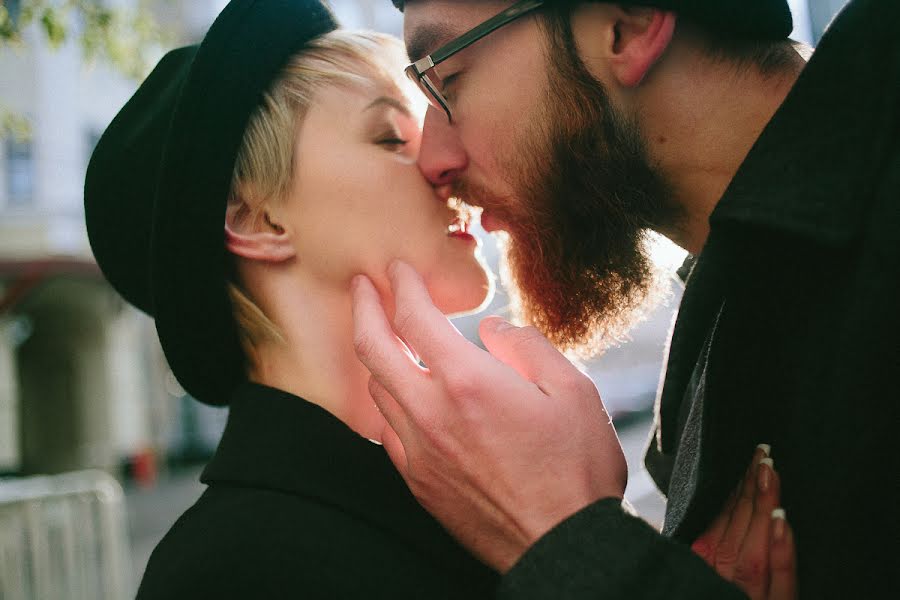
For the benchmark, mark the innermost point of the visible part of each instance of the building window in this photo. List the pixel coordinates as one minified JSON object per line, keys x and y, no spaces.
{"x":19,"y":173}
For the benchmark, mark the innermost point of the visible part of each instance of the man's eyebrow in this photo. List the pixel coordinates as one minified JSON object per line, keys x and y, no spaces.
{"x":428,"y":38}
{"x":389,"y":101}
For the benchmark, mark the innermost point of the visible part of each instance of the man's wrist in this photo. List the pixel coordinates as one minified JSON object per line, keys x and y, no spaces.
{"x":538,"y":533}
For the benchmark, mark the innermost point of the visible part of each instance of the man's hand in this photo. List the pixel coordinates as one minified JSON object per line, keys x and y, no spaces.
{"x":499,"y":446}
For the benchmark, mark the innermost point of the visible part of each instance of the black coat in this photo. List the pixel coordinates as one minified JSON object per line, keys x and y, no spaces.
{"x":788,"y":334}
{"x":300,"y":506}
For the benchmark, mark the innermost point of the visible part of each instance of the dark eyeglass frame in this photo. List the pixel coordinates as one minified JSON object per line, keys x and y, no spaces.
{"x":418,"y":71}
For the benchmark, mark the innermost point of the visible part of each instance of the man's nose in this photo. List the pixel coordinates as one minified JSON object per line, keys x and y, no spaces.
{"x":441,"y":155}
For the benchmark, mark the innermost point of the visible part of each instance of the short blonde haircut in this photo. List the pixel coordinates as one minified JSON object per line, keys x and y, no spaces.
{"x":264,"y":170}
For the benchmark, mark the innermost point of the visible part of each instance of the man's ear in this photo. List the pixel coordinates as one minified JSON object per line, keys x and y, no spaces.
{"x":253,"y":234}
{"x":621,"y":43}
{"x":641,"y":37}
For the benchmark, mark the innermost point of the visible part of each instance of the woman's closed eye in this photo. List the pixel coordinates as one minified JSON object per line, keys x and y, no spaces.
{"x":392,"y":142}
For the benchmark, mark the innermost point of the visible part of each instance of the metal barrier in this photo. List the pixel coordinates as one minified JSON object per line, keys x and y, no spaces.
{"x":63,"y":536}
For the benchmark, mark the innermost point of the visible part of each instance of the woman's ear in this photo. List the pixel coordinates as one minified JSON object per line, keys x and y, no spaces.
{"x":255,"y":234}
{"x":641,"y":36}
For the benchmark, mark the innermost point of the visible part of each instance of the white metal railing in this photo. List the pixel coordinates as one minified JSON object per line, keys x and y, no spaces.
{"x":63,"y":536}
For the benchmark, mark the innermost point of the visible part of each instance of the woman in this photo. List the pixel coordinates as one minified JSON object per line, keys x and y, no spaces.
{"x":303,"y":149}
{"x":301,"y":143}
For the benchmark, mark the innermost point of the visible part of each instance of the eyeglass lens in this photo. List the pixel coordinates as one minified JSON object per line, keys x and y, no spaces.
{"x":430,"y":83}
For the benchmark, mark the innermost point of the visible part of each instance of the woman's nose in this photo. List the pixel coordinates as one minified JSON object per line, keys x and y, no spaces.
{"x":441,"y":155}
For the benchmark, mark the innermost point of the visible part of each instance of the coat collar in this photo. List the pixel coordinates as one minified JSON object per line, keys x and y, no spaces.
{"x":274,"y":440}
{"x":811,"y":171}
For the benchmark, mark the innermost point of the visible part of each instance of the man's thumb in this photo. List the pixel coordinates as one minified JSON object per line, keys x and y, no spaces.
{"x":524,"y":349}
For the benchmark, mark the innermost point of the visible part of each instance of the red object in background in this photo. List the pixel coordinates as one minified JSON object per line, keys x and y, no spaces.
{"x":143,"y":468}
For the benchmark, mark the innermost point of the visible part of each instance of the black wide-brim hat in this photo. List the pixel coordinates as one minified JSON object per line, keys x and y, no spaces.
{"x":158,"y":182}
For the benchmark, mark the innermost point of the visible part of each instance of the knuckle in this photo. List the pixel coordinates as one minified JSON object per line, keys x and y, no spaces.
{"x":404,"y":317}
{"x":750,"y":570}
{"x":580,"y":384}
{"x":363,"y":344}
{"x":726,"y":556}
{"x":375,"y":388}
{"x":459,"y":386}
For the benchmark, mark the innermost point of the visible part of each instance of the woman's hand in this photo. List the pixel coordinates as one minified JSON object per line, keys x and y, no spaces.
{"x":750,"y":543}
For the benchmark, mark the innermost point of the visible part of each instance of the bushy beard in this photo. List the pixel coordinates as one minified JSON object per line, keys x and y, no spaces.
{"x":576,"y":260}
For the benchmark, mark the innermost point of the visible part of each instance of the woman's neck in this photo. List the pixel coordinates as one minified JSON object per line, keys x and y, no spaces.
{"x":316,"y":360}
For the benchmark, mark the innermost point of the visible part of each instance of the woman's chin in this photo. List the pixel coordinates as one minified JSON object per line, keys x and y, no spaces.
{"x":468,"y":297}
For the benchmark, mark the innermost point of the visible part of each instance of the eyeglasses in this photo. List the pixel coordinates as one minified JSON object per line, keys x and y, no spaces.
{"x":423,"y":72}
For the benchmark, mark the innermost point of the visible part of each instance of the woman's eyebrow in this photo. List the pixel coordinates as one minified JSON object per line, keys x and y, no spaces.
{"x":389,"y":101}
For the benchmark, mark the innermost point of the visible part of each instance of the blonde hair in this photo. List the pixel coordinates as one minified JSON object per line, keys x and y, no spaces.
{"x":264,"y":167}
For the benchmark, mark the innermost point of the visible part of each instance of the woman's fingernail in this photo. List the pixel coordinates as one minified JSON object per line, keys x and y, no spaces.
{"x":778,"y":518}
{"x":764,"y":476}
{"x":767,"y":449}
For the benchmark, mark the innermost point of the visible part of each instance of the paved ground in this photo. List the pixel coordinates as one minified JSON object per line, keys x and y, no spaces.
{"x":152,"y":511}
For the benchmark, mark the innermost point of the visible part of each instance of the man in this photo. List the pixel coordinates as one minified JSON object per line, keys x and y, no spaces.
{"x":578,"y":126}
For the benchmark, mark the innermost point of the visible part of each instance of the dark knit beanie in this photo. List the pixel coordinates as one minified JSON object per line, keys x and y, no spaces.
{"x":748,"y":19}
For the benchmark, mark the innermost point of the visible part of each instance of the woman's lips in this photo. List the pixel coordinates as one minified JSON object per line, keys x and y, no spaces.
{"x":459,"y":225}
{"x":459,"y":228}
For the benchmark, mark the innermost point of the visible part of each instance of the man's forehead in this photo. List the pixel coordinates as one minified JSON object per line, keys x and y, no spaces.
{"x":427,"y":37}
{"x":429,"y":24}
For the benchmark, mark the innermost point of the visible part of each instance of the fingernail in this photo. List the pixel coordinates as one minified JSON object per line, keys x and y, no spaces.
{"x":778,"y":518}
{"x":354,"y":283}
{"x":501,"y":325}
{"x":764,"y":476}
{"x":767,"y":449}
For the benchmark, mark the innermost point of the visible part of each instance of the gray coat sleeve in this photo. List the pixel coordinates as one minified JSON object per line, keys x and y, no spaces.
{"x":603,"y":552}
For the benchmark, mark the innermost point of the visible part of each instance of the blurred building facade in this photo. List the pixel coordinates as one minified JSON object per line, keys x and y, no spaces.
{"x":83,"y":382}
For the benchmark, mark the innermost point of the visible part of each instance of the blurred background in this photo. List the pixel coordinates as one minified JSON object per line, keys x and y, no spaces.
{"x":100,"y":448}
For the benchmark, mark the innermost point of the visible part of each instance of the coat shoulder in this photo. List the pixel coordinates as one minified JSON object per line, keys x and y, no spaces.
{"x":247,"y":542}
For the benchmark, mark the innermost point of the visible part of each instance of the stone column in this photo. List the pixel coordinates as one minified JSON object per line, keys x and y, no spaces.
{"x":10,"y":451}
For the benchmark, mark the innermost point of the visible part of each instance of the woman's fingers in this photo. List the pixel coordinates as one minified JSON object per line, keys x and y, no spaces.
{"x":750,"y":543}
{"x":705,"y":545}
{"x":751,"y":572}
{"x":729,"y":548}
{"x":708,"y":543}
{"x":782,"y":559}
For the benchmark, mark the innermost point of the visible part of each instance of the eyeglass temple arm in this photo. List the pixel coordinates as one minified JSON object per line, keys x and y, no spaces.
{"x":496,"y":22}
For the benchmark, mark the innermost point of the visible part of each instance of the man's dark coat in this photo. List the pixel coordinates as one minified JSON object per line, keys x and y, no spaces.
{"x":300,"y":506}
{"x":788,"y":334}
